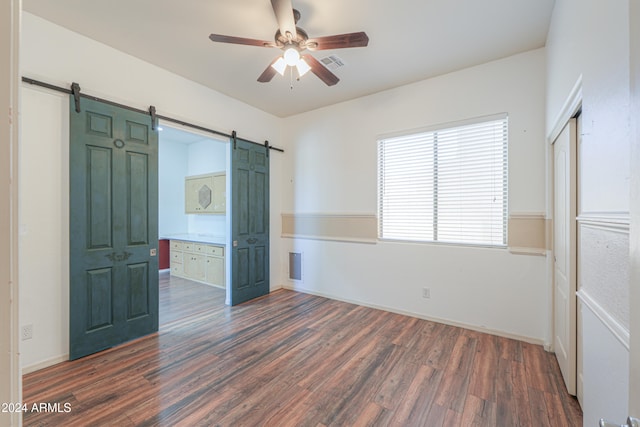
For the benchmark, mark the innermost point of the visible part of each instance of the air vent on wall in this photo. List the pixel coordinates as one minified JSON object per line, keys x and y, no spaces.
{"x":332,"y":62}
{"x":295,"y":266}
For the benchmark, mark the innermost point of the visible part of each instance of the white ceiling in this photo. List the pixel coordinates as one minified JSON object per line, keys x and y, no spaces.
{"x":409,"y":40}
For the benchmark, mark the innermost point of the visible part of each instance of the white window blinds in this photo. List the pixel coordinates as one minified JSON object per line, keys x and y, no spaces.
{"x":445,"y":185}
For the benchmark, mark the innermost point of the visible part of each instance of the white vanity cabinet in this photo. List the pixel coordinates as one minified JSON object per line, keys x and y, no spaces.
{"x":202,"y":262}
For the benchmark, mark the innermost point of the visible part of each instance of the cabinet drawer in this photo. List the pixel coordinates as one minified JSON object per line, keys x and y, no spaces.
{"x":176,"y":256}
{"x":177,"y":268}
{"x":215,"y":250}
{"x":176,"y":244}
{"x":187,"y":246}
{"x":200,"y":249}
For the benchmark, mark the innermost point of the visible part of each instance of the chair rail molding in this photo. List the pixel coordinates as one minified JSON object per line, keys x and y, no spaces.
{"x":611,"y":221}
{"x":527,"y":233}
{"x":355,"y":228}
{"x":616,"y":328}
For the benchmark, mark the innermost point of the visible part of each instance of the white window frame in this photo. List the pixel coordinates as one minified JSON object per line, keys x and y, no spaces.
{"x":405,"y":215}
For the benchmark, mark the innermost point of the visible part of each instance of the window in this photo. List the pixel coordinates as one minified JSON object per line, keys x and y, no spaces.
{"x":445,"y":185}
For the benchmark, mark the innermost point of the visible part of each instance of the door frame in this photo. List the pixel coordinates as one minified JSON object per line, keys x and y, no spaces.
{"x":218,"y":136}
{"x":634,"y":213}
{"x":11,"y":387}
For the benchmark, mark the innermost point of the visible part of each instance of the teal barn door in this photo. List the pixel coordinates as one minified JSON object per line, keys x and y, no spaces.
{"x":113,"y":227}
{"x":249,"y":221}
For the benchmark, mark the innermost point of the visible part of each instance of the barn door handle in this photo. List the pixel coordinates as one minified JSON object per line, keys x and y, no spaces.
{"x":114,"y":256}
{"x":251,"y":241}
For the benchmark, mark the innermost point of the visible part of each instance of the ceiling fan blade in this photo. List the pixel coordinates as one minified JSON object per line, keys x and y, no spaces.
{"x":283,"y":10}
{"x":268,"y":73}
{"x":241,"y":40}
{"x":321,"y":71}
{"x":359,"y":39}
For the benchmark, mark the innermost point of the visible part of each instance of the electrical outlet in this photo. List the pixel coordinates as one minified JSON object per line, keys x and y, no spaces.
{"x":426,"y":293}
{"x":27,"y":332}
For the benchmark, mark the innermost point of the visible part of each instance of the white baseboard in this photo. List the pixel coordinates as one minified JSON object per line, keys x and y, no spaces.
{"x":44,"y":364}
{"x":476,"y":328}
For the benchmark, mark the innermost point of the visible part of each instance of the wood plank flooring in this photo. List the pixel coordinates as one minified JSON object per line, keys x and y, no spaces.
{"x":291,"y":359}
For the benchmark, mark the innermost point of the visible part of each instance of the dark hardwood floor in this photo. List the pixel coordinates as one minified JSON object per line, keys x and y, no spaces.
{"x":291,"y":359}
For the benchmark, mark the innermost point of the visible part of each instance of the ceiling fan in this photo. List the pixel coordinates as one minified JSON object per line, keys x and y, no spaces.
{"x":294,"y":40}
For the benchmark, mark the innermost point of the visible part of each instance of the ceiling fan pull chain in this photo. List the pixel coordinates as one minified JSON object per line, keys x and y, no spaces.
{"x":291,"y":77}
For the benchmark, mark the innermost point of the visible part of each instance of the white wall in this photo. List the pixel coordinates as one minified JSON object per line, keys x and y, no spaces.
{"x":58,"y":56}
{"x":332,"y":167}
{"x":173,"y":160}
{"x":589,"y":39}
{"x":207,"y":156}
{"x":44,"y":225}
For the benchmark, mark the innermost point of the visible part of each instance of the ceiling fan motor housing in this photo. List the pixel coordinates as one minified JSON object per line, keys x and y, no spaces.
{"x":300,"y":39}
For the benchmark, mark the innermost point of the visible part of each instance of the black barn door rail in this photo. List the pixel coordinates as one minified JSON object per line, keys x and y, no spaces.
{"x":76,"y":92}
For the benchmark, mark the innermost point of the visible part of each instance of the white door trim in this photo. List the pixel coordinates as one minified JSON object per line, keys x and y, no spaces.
{"x":11,"y":384}
{"x":634,"y":239}
{"x":571,"y":106}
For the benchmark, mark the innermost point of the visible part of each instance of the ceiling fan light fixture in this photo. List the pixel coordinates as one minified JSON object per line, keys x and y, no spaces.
{"x":280,"y":65}
{"x":291,"y":56}
{"x":302,"y":67}
{"x":292,"y":40}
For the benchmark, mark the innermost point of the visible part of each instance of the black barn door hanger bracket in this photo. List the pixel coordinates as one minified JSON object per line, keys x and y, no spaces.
{"x":75,"y":91}
{"x":154,"y":118}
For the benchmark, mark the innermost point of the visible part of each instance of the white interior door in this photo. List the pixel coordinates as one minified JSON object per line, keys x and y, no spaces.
{"x":564,"y":250}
